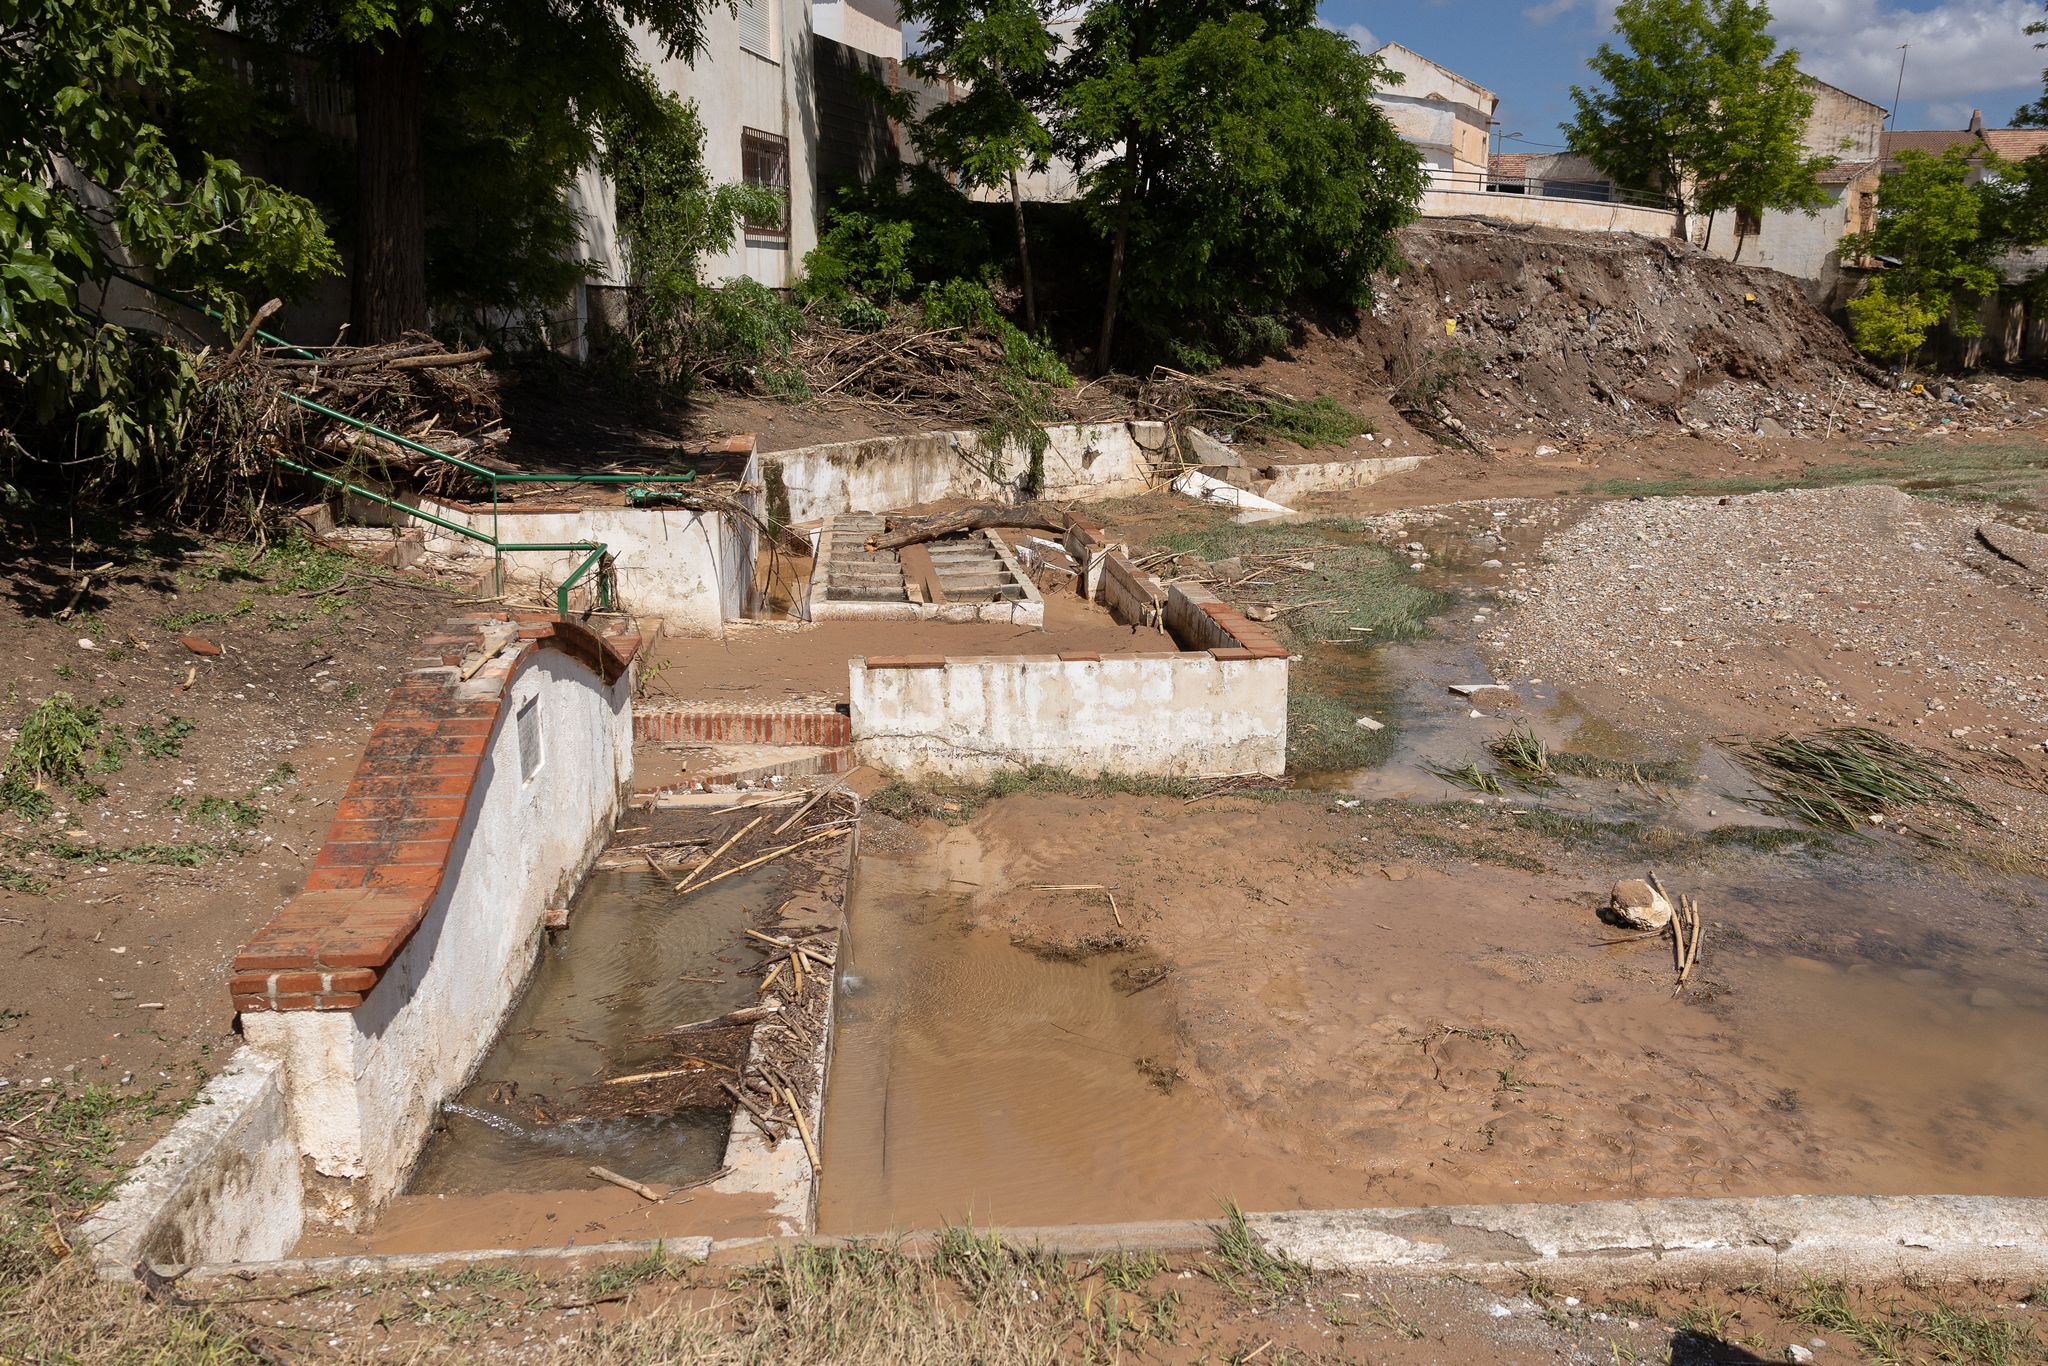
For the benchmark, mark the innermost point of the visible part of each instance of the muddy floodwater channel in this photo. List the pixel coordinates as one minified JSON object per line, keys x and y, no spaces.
{"x":1417,"y":1036}
{"x":636,"y":961}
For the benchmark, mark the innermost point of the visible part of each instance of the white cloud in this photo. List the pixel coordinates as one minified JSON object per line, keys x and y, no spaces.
{"x":1550,"y":10}
{"x":1959,"y":47}
{"x":1357,"y":33}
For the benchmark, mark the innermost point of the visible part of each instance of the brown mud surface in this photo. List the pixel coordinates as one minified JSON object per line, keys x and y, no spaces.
{"x":119,"y":913}
{"x":767,"y":663}
{"x":1355,"y":1027}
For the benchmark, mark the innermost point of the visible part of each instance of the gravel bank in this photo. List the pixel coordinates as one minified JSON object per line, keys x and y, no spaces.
{"x":1856,"y":604}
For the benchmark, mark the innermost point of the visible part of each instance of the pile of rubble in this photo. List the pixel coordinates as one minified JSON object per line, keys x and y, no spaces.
{"x":1520,"y":333}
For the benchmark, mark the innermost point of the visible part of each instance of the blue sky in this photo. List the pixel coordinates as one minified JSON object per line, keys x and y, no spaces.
{"x":1965,"y":53}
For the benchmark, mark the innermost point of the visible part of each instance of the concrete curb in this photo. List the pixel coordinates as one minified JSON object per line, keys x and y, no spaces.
{"x":1943,"y":1237}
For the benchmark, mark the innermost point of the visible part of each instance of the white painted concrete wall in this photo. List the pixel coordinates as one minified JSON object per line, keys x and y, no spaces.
{"x":869,"y":26}
{"x":690,"y":570}
{"x":222,"y":1186}
{"x":734,"y":90}
{"x":1323,"y":476}
{"x":1106,"y":460}
{"x":364,"y":1085}
{"x":1578,"y":214}
{"x":1180,"y":715}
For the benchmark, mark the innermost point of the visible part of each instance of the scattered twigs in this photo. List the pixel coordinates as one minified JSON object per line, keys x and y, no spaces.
{"x":820,"y":795}
{"x":744,"y":1015}
{"x":718,"y":853}
{"x":1083,"y":887}
{"x":905,"y":531}
{"x":698,"y":1065}
{"x":803,"y":1130}
{"x":1689,"y":909}
{"x":645,"y":1192}
{"x":770,"y":1125}
{"x":765,"y":858}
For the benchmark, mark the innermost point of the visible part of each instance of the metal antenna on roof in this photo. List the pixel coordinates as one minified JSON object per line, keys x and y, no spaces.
{"x":1893,"y":112}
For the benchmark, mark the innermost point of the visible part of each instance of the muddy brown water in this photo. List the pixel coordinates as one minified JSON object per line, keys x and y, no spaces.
{"x":1870,"y":1035}
{"x":628,"y":967}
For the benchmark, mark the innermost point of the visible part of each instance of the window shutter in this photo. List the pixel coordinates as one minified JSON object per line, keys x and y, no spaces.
{"x":756,"y":32}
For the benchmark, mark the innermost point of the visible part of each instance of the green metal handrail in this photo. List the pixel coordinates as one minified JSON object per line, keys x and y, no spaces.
{"x":597,"y":560}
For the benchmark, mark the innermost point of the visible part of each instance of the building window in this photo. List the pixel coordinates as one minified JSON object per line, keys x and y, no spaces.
{"x":1748,"y":223}
{"x":530,"y":755}
{"x":764,"y":162}
{"x":757,"y":27}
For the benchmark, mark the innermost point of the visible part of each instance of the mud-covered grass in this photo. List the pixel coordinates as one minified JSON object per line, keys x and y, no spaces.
{"x":957,"y":803}
{"x":1975,"y":472}
{"x":1329,"y":580}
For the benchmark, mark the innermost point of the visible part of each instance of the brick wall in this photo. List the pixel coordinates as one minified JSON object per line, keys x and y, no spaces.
{"x":396,"y":826}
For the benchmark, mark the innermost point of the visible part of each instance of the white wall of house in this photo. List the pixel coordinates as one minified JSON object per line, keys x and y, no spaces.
{"x":1441,"y":112}
{"x":870,"y":26}
{"x":754,"y":78}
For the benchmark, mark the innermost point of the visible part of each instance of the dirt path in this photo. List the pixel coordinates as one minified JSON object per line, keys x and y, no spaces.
{"x":223,"y":702}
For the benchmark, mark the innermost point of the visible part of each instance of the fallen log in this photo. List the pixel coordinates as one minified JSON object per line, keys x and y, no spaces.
{"x":905,"y":531}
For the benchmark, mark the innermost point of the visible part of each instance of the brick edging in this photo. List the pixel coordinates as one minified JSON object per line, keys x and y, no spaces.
{"x":395,"y":828}
{"x":719,"y":723}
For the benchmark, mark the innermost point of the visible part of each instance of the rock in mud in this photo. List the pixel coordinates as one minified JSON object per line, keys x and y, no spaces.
{"x":1636,"y":905}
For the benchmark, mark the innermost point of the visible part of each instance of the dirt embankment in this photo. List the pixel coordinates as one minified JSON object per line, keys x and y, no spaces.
{"x":1533,"y":330}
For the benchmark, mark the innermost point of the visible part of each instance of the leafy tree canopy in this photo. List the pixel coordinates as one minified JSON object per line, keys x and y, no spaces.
{"x":93,"y":186}
{"x":1234,"y":157}
{"x":1699,"y":105}
{"x":1931,"y":238}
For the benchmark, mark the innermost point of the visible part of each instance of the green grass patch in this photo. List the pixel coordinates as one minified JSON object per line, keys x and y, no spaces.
{"x":1840,"y":778}
{"x":1241,"y":1263}
{"x":1306,"y":422}
{"x":1964,"y":472}
{"x":72,"y":1135}
{"x":1641,"y":772}
{"x":166,"y":741}
{"x":1323,"y":734}
{"x":1359,"y":592}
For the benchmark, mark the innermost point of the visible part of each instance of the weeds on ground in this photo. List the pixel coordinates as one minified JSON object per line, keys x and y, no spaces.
{"x":1241,"y":1263}
{"x":49,"y":750}
{"x":1973,"y":472}
{"x":1341,"y":585}
{"x":1469,"y":775}
{"x":1323,"y":734}
{"x":1524,"y":758}
{"x":1306,"y":422}
{"x":1846,"y":777}
{"x":956,"y":804}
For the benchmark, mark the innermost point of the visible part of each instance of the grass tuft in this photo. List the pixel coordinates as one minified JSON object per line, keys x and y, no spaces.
{"x":1243,"y":1265}
{"x":1838,"y":779}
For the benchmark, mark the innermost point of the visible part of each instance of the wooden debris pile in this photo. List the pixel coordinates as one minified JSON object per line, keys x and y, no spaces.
{"x":908,"y":367}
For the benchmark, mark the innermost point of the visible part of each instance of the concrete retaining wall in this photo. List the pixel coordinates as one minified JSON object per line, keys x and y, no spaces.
{"x":222,"y":1187}
{"x":1106,"y":460}
{"x":1329,"y":476}
{"x":1582,"y":215}
{"x":365,"y":1084}
{"x":692,"y":571}
{"x":1184,"y":715}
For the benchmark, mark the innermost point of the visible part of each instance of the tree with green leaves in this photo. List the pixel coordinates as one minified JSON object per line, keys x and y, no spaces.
{"x":1699,"y":105}
{"x":1931,"y":238}
{"x":999,"y":55}
{"x":1233,"y":157}
{"x":94,"y":186}
{"x":471,"y":115}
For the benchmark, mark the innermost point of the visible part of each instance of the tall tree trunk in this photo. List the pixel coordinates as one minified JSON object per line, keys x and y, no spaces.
{"x":390,"y":294}
{"x":1106,"y":347}
{"x":1024,"y":255}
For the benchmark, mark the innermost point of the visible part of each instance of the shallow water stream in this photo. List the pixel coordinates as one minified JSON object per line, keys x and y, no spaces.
{"x":635,"y":961}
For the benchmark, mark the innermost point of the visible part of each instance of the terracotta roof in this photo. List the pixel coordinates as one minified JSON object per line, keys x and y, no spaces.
{"x":2013,"y":144}
{"x":1845,"y":172}
{"x":2016,"y":144}
{"x":1933,"y":141}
